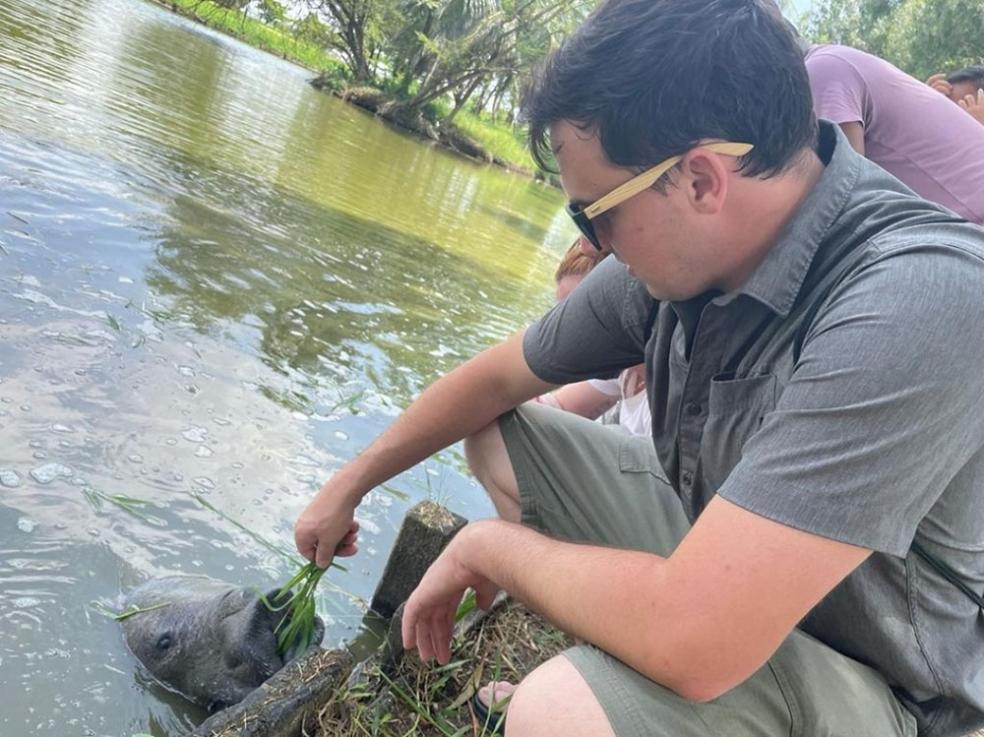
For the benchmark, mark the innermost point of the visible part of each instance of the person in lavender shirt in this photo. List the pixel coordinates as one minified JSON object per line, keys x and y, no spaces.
{"x":901,"y":124}
{"x":965,"y":87}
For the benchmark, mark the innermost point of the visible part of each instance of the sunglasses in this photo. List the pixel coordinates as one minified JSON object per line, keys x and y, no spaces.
{"x":582,"y":216}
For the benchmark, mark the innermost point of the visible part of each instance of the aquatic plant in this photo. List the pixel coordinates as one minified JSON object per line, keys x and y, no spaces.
{"x":128,"y":612}
{"x":295,"y":631}
{"x":129,"y":504}
{"x":296,"y":598}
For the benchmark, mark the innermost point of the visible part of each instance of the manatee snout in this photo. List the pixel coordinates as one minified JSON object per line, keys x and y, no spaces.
{"x":206,"y":639}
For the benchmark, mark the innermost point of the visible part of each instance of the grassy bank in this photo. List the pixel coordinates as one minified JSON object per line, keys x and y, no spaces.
{"x":482,"y":137}
{"x":255,"y":33}
{"x":502,"y":141}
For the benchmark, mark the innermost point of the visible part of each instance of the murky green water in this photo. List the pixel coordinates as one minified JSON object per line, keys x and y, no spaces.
{"x":213,"y":280}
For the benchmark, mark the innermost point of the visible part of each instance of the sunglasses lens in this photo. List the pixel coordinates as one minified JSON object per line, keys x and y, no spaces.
{"x":583,"y":224}
{"x":588,"y":232}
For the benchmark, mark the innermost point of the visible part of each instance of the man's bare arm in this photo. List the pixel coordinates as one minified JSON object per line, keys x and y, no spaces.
{"x":699,"y":622}
{"x":453,"y":407}
{"x":855,"y":135}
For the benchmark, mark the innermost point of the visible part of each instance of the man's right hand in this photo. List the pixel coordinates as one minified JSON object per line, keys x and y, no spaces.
{"x":327,"y":528}
{"x":453,"y":407}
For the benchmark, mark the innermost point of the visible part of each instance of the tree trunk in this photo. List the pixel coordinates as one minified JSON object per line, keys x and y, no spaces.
{"x":461,"y":98}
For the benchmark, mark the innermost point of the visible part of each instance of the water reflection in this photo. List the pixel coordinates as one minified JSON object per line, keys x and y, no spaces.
{"x":215,"y":281}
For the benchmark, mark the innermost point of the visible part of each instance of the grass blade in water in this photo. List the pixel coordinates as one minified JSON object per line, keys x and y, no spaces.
{"x":126,"y":613}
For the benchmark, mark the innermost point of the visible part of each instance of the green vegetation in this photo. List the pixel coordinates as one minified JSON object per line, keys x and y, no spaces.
{"x":269,"y":32}
{"x":295,"y":631}
{"x":126,"y":613}
{"x":921,"y":37}
{"x":130,"y":505}
{"x":427,"y":700}
{"x":296,"y":598}
{"x":451,"y":70}
{"x":504,"y":143}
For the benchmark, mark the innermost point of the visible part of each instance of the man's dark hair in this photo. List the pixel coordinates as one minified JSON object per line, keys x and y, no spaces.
{"x":654,"y":77}
{"x":974,"y":75}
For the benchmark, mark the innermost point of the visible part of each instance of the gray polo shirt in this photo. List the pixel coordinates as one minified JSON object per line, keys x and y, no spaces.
{"x":839,"y":391}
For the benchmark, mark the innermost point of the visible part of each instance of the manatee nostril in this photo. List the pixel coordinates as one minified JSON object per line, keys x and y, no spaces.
{"x":217,"y":705}
{"x":164,"y":642}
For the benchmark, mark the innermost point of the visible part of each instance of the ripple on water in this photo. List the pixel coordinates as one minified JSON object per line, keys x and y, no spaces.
{"x":49,"y":472}
{"x":9,"y":478}
{"x":25,"y":602}
{"x":195,"y":434}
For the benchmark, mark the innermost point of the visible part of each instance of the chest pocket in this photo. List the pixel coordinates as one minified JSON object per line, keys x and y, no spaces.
{"x":735,"y":410}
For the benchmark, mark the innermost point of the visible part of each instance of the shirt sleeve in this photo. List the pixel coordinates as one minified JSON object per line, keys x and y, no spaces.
{"x":598,"y":330}
{"x":883,"y":409}
{"x":838,"y":89}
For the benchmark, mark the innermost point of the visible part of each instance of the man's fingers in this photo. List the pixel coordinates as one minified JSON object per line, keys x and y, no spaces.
{"x":305,"y":545}
{"x":350,"y":537}
{"x":408,"y":627}
{"x":485,"y":595}
{"x":323,"y":556}
{"x":425,"y":649}
{"x":346,"y":551}
{"x":442,"y":643}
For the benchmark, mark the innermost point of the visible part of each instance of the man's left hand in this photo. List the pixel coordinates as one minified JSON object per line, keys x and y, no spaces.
{"x":428,"y":618}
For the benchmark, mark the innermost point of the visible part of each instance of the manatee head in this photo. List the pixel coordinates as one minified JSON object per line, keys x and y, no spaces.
{"x":210,"y":641}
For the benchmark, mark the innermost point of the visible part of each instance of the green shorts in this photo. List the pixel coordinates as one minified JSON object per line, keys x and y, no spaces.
{"x":588,"y":482}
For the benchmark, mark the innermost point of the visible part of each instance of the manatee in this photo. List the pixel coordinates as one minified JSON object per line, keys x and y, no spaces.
{"x":208,"y":640}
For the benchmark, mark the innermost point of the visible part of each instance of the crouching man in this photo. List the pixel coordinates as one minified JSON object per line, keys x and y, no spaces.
{"x":811,"y":332}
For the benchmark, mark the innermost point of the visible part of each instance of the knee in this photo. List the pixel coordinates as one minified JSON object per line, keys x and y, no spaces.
{"x":556,"y":700}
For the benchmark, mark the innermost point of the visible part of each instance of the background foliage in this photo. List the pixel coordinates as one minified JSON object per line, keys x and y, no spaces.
{"x":459,"y":65}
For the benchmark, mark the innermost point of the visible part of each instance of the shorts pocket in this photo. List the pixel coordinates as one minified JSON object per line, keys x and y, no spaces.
{"x":636,"y":454}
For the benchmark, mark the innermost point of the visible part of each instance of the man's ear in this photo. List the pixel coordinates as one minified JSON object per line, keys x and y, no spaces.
{"x":704,"y":181}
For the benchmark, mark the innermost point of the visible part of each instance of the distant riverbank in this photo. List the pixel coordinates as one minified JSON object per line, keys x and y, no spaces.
{"x":470,"y":135}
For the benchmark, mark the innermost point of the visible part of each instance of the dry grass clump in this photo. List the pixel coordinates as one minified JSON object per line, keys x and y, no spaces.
{"x":433,"y":700}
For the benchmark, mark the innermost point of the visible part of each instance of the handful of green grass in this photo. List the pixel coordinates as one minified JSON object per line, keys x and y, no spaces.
{"x":295,"y":631}
{"x":295,"y":599}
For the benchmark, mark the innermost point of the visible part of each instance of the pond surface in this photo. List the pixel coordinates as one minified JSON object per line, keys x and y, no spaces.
{"x":214,"y":281}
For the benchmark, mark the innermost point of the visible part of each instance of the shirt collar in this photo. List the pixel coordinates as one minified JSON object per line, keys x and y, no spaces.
{"x":777,"y":280}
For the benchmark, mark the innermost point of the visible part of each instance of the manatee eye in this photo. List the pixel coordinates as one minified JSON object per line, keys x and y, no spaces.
{"x":164,"y":642}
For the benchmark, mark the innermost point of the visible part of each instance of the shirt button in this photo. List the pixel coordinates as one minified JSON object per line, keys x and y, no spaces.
{"x":687,"y":479}
{"x":693,"y":409}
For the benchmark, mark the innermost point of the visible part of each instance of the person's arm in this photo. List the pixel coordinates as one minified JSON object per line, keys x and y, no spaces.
{"x":453,"y":407}
{"x":699,"y":622}
{"x":582,"y":399}
{"x":855,"y":135}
